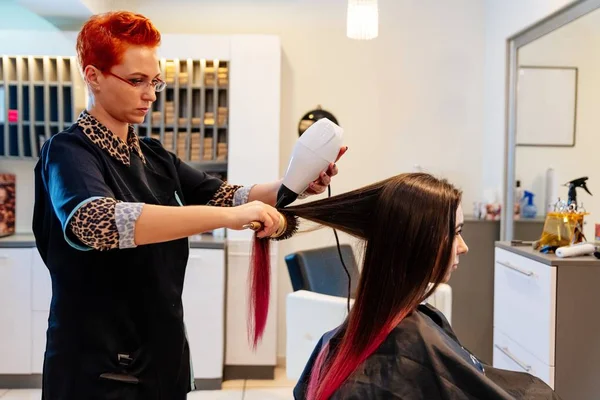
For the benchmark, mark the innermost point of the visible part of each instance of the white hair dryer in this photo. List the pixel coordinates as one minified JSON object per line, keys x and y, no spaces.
{"x":318,"y":147}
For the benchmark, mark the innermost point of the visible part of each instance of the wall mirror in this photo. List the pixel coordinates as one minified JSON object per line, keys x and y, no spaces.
{"x":553,"y":126}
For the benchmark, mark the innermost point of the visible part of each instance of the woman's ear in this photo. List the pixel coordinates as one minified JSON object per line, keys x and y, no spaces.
{"x":92,"y":77}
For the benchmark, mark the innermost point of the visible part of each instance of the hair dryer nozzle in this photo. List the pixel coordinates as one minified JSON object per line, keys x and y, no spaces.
{"x":285,"y":197}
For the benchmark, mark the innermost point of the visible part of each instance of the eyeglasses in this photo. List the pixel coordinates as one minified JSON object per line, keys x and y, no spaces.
{"x":141,"y":84}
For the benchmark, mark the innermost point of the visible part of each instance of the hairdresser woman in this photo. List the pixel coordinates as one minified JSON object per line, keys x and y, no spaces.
{"x":111,"y":221}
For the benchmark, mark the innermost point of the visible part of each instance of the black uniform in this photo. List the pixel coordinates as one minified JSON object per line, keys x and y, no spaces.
{"x":421,"y":359}
{"x":116,"y":327}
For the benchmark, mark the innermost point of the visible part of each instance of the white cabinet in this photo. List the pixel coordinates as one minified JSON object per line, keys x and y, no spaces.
{"x":26,"y":293}
{"x":525,"y":304}
{"x":204,"y":311}
{"x":524,"y":315}
{"x":545,"y":320}
{"x":15,"y":311}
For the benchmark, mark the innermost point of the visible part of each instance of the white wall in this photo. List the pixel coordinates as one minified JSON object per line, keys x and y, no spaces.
{"x":570,"y":46}
{"x":15,"y":16}
{"x":503,"y":18}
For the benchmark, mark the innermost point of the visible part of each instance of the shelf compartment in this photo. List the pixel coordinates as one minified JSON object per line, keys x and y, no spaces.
{"x":53,"y":103}
{"x":52,"y":74}
{"x":26,"y":134}
{"x":38,"y":101}
{"x":23,"y":71}
{"x":67,"y":104}
{"x":65,"y":70}
{"x":13,"y":140}
{"x":197,"y":73}
{"x":38,"y":70}
{"x":12,"y":97}
{"x":26,"y":112}
{"x":10,"y":63}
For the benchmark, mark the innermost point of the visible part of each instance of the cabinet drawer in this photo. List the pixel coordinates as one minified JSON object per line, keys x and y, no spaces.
{"x":525,"y":303}
{"x":510,"y":356}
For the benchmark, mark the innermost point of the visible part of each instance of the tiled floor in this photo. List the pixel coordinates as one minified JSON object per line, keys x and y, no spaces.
{"x":225,"y":394}
{"x":278,"y":389}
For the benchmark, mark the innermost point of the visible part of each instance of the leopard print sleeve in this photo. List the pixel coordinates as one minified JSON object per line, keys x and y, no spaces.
{"x":224,"y":197}
{"x":126,"y":215}
{"x":241,"y":195}
{"x":106,"y":224}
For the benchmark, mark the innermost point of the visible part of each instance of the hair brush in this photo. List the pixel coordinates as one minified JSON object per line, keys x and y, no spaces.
{"x":288,"y":226}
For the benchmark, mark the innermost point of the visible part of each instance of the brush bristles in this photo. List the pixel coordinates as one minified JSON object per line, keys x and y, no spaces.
{"x":291,"y":226}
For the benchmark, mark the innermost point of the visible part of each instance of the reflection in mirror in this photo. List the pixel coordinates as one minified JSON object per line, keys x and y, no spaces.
{"x":558,"y":122}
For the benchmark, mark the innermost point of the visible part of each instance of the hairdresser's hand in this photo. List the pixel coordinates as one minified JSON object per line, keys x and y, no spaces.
{"x":254,"y":211}
{"x":320,"y":184}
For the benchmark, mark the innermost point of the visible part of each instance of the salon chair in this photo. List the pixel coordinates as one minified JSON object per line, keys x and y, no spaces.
{"x":319,"y":301}
{"x":321,"y":271}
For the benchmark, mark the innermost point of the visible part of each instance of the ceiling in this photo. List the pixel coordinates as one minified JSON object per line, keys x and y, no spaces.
{"x":70,"y":14}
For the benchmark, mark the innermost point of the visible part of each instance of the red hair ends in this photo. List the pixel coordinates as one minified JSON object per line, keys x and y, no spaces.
{"x":104,"y":38}
{"x":260,"y":289}
{"x":324,"y":383}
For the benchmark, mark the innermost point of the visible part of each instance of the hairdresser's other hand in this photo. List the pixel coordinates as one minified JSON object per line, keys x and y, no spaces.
{"x":254,"y":211}
{"x":320,"y":184}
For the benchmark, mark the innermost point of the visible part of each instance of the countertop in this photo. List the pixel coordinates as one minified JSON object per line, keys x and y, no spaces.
{"x":550,"y":259}
{"x":26,"y":240}
{"x":19,"y":240}
{"x":207,"y":242}
{"x":539,"y":220}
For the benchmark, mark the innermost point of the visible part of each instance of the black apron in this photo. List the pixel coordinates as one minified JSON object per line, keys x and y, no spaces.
{"x":422,"y":359}
{"x":115,"y":329}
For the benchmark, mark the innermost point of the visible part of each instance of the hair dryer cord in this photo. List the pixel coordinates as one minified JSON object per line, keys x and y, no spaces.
{"x":337,"y":240}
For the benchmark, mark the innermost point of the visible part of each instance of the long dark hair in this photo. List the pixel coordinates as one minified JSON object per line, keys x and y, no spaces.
{"x":408,"y":225}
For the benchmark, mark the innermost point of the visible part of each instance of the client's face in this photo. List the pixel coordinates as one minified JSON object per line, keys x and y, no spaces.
{"x":459,"y":246}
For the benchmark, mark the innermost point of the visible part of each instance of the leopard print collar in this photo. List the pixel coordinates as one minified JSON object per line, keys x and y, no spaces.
{"x":101,"y":136}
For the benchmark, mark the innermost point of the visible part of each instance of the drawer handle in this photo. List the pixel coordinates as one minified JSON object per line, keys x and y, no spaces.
{"x":519,"y":270}
{"x":508,"y":354}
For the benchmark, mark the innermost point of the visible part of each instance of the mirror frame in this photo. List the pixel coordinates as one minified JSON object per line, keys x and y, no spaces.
{"x":562,"y":17}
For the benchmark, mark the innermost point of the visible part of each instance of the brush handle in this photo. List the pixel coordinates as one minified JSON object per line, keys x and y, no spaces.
{"x":257,"y":226}
{"x":254,"y":225}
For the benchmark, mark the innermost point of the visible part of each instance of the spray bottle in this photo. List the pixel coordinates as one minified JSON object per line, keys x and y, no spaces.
{"x":573,"y":185}
{"x":529,"y":210}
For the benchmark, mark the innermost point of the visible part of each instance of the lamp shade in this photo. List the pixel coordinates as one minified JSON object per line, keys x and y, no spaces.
{"x":362,"y":19}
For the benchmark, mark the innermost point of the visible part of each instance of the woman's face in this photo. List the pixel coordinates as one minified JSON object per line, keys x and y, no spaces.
{"x":459,"y":246}
{"x":124,"y":91}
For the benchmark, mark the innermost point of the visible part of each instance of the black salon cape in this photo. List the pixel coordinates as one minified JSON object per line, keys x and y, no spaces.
{"x":115,"y":329}
{"x":421,"y":359}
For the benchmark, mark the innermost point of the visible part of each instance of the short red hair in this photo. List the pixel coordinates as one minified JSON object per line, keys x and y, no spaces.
{"x":105,"y":37}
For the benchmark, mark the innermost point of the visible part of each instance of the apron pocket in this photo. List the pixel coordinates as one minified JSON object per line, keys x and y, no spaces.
{"x":117,"y":389}
{"x":120,"y":378}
